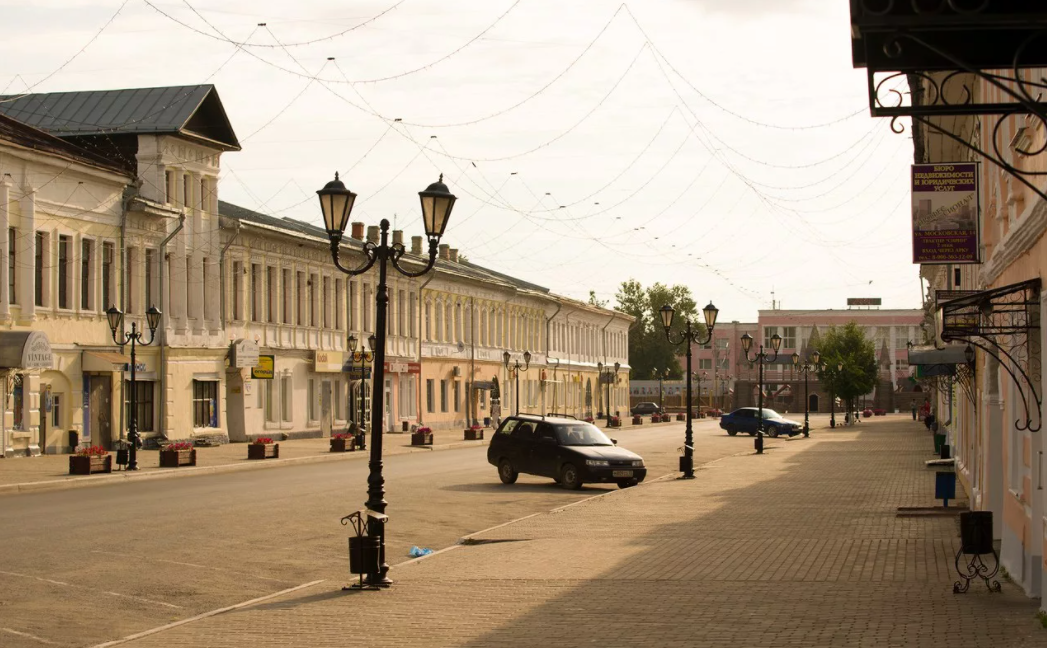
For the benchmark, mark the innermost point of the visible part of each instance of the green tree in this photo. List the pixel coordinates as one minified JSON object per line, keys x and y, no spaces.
{"x":649,"y":351}
{"x":848,"y":344}
{"x":594,"y":301}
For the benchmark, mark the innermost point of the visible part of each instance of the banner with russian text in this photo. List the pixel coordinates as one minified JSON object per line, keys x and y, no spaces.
{"x":945,"y":213}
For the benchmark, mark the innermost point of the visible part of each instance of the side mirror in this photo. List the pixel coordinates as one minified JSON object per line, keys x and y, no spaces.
{"x":614,"y":441}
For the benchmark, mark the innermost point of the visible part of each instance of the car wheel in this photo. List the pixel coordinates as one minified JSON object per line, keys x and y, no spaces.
{"x":731,"y":431}
{"x":506,"y":472}
{"x":627,"y":483}
{"x":570,"y":478}
{"x":752,"y":432}
{"x":773,"y":433}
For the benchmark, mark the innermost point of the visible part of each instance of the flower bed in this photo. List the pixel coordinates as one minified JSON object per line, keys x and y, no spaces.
{"x":174,"y":455}
{"x":263,"y":448}
{"x":93,"y":459}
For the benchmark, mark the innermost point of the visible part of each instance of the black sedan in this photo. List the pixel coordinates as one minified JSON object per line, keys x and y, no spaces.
{"x":569,"y":451}
{"x":645,"y":408}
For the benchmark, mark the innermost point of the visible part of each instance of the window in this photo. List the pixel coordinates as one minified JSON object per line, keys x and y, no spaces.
{"x":12,"y":256}
{"x":300,"y":320}
{"x":238,"y":290}
{"x":457,"y":395}
{"x":150,"y":259}
{"x":429,"y":395}
{"x":428,"y":322}
{"x":107,"y":275}
{"x":339,"y":304}
{"x":203,"y":194}
{"x":205,"y":403}
{"x":169,"y":181}
{"x":483,"y":399}
{"x":311,"y":400}
{"x":187,"y":191}
{"x":313,"y":306}
{"x":412,"y":317}
{"x":256,"y":292}
{"x":443,"y":395}
{"x":270,"y":285}
{"x":407,"y":396}
{"x":288,"y":297}
{"x":64,"y":269}
{"x":87,"y":274}
{"x":788,"y":337}
{"x":143,"y":403}
{"x":401,"y":313}
{"x":326,"y":302}
{"x":285,"y":398}
{"x":707,"y":363}
{"x":723,"y":343}
{"x":768,"y":333}
{"x":268,"y":407}
{"x":131,"y":263}
{"x":336,"y":396}
{"x":56,"y":411}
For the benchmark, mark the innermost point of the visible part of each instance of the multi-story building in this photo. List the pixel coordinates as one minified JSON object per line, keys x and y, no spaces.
{"x":117,"y":204}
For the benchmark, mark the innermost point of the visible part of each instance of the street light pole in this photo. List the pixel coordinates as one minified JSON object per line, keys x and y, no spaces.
{"x":688,"y":337}
{"x":116,"y":321}
{"x":336,"y":202}
{"x":365,"y":357}
{"x":811,"y":363}
{"x":761,"y":357}
{"x":515,"y":370}
{"x":832,"y":394}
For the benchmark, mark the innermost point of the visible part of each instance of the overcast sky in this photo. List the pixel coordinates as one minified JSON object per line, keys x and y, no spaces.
{"x":721,"y":144}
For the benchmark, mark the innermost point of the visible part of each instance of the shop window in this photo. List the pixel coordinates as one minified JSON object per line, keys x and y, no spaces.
{"x":407,"y":396}
{"x":285,"y":398}
{"x":429,"y":396}
{"x":144,"y":404}
{"x":270,"y":410}
{"x":443,"y":395}
{"x":18,"y":403}
{"x":205,"y":403}
{"x":56,"y":412}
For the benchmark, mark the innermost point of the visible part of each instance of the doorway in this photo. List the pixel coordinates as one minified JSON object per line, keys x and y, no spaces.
{"x":101,"y":410}
{"x":387,"y":424}
{"x":812,"y":403}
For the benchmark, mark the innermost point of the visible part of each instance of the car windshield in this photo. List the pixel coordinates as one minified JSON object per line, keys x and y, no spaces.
{"x":771,"y":414}
{"x":581,"y":434}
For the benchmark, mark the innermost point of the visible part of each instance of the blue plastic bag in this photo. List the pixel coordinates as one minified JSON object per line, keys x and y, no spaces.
{"x":417,"y":552}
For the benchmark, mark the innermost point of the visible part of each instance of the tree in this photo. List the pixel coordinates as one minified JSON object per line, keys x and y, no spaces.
{"x":649,"y":351}
{"x":593,"y":301}
{"x":849,"y":345}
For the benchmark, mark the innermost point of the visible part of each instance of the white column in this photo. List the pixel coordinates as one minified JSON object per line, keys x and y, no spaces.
{"x":5,"y":223}
{"x":27,"y":255}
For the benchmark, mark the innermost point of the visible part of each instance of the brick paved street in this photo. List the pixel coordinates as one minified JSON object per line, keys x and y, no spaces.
{"x":798,"y":547}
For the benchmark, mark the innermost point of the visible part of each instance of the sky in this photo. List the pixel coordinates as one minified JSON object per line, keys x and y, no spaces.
{"x":724,"y":145}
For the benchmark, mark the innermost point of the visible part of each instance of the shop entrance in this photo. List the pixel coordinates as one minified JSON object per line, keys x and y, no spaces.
{"x":101,"y":408}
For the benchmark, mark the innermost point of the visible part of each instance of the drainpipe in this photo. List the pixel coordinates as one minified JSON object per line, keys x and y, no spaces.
{"x":473,"y":321}
{"x":421,"y":316}
{"x":163,"y":329}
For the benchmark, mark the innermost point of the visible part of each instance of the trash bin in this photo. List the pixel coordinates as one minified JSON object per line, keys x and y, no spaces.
{"x":939,"y":441}
{"x":364,"y":554}
{"x":976,"y":532}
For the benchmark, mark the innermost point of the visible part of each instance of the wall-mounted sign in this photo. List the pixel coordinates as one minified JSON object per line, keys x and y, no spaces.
{"x":36,"y":354}
{"x":403,"y":367}
{"x":864,"y":301}
{"x":265,"y":368}
{"x":945,"y":213}
{"x":243,"y":353}
{"x":328,"y":362}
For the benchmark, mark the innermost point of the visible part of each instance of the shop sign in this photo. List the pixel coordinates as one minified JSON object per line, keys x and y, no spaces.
{"x":36,"y":354}
{"x":945,"y":213}
{"x":864,"y":301}
{"x":244,"y":354}
{"x":328,"y":362}
{"x":403,"y":367}
{"x":264,"y":370}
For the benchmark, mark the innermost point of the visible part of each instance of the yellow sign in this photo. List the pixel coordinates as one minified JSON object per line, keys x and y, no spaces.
{"x":264,"y":370}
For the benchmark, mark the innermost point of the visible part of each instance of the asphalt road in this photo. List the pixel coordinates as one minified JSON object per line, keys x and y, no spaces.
{"x":84,"y":566}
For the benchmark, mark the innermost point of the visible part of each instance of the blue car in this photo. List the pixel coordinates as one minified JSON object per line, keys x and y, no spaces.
{"x":746,"y":419}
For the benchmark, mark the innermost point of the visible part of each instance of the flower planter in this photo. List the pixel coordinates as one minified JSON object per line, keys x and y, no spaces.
{"x":474,"y":434}
{"x":421,"y":438}
{"x":263,"y":450}
{"x":680,"y":417}
{"x":346,"y":444}
{"x":614,"y":423}
{"x":79,"y":465}
{"x":655,"y":418}
{"x":637,"y":420}
{"x":176,"y":458}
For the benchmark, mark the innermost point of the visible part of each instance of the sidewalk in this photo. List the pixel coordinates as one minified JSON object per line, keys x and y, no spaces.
{"x":800,"y":546}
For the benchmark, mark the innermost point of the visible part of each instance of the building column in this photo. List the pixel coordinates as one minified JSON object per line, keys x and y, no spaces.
{"x":179,"y":313}
{"x":27,"y":255}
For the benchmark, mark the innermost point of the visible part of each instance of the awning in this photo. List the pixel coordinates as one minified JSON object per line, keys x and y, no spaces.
{"x":25,"y":350}
{"x":105,"y":361}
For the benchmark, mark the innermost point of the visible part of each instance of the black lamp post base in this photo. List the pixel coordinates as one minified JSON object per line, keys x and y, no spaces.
{"x":758,"y":443}
{"x":378,"y":581}
{"x":687,"y":467}
{"x":361,"y":587}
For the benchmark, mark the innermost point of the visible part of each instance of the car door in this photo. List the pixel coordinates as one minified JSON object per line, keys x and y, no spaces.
{"x":523,"y":442}
{"x":746,"y":421}
{"x":545,"y":451}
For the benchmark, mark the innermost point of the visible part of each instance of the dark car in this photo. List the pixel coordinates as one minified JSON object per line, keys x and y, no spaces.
{"x":572,"y":452}
{"x":645,"y":408}
{"x":746,"y":419}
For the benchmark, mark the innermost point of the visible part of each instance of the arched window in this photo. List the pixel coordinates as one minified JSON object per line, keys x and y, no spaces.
{"x":428,"y":321}
{"x":439,"y":322}
{"x":449,"y":325}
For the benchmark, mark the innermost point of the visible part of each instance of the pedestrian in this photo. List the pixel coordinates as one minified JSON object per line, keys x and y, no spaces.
{"x":496,"y":412}
{"x":913,"y":406}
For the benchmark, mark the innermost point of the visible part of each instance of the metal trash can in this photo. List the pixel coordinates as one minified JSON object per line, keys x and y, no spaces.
{"x":939,"y":441}
{"x":364,"y":554}
{"x":976,"y":532}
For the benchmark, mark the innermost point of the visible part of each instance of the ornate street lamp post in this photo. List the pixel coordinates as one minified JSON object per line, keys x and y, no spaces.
{"x":514,"y":370}
{"x":810,"y":364}
{"x":364,"y":356}
{"x":336,"y":202}
{"x":761,"y":357}
{"x":134,"y":338}
{"x":832,"y":394}
{"x":700,"y":376}
{"x":607,"y":378}
{"x":689,"y":337}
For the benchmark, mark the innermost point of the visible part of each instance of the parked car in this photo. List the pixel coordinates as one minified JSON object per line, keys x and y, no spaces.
{"x":645,"y":408}
{"x":572,"y":452}
{"x":746,"y":419}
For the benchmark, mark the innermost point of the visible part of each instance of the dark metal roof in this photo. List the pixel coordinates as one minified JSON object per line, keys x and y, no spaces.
{"x":193,"y":111}
{"x":33,"y":138}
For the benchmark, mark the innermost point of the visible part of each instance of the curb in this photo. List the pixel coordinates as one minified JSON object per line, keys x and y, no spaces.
{"x":121,"y":477}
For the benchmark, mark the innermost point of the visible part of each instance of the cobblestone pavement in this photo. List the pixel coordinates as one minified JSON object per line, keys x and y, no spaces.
{"x":800,"y":546}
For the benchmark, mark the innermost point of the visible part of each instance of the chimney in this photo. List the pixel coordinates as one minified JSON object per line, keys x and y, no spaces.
{"x":398,"y":237}
{"x":445,"y":252}
{"x":372,"y":233}
{"x":358,"y":231}
{"x":416,"y":245}
{"x":454,"y":255}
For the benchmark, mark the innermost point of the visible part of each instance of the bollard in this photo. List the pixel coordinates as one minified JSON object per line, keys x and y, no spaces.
{"x":758,"y":443}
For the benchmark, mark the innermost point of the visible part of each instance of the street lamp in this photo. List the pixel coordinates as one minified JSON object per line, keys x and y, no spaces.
{"x":832,"y":394}
{"x":608,"y":378}
{"x":364,"y":356}
{"x":688,"y":337}
{"x":336,"y":202}
{"x":134,"y":338}
{"x":700,"y":376}
{"x":805,"y":368}
{"x":514,"y":370}
{"x":724,"y":381}
{"x":661,"y":374}
{"x":761,"y":357}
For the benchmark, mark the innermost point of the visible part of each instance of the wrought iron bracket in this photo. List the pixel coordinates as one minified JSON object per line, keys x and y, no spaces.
{"x":1004,"y":322}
